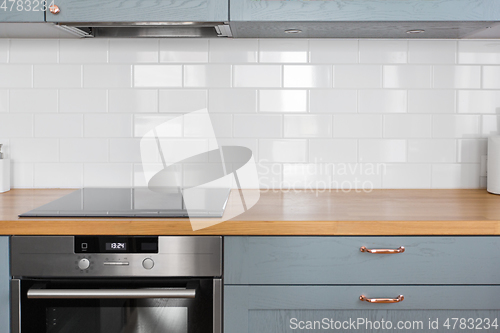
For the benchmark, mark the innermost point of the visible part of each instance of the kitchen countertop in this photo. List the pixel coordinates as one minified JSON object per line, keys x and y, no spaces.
{"x":380,"y":212}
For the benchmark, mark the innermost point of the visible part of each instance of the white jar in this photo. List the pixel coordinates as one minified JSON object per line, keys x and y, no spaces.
{"x":4,"y":175}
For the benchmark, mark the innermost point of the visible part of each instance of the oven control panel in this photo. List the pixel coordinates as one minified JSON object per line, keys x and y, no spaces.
{"x":111,"y":256}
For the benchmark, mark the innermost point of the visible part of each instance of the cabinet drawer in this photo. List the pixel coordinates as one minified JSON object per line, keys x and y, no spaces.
{"x":338,"y":260}
{"x":280,"y":309}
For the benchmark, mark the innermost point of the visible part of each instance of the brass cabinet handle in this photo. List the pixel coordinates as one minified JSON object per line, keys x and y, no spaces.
{"x":54,"y":9}
{"x":400,"y":249}
{"x":398,"y":299}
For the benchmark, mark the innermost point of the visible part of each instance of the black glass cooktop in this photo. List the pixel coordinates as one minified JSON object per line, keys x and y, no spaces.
{"x":136,"y":202}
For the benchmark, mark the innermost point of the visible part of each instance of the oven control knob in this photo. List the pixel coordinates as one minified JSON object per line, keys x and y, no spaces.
{"x":83,"y":263}
{"x":148,"y":263}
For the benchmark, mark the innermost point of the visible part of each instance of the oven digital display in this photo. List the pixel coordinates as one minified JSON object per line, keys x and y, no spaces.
{"x":116,"y":246}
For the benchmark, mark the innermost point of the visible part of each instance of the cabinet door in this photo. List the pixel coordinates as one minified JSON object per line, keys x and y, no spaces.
{"x":4,"y":285}
{"x":287,"y":309}
{"x":338,"y":260}
{"x":22,"y":11}
{"x":365,"y":10}
{"x":140,"y":11}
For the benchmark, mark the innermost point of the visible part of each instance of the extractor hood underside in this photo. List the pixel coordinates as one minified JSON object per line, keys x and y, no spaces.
{"x":428,"y":29}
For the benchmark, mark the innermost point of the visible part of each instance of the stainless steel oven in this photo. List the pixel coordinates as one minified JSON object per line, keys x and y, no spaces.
{"x":116,"y":284}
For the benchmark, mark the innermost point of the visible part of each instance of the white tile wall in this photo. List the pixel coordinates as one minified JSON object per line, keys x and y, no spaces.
{"x":316,"y":113}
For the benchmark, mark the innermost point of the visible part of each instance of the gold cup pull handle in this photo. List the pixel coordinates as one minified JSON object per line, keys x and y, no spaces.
{"x":400,"y":249}
{"x":398,"y":299}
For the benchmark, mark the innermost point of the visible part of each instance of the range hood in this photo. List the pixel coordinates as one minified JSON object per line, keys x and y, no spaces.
{"x":149,"y":29}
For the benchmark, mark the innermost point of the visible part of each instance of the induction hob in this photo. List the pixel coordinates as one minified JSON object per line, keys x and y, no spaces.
{"x":135,"y":202}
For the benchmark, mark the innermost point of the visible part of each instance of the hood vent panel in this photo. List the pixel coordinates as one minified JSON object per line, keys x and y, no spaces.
{"x":153,"y":29}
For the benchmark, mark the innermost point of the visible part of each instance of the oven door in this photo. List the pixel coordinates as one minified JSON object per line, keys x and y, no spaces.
{"x":116,"y":306}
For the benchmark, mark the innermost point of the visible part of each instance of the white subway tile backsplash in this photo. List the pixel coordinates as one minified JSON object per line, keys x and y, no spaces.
{"x":4,"y":100}
{"x":490,"y":125}
{"x":83,"y":100}
{"x":4,"y":50}
{"x":357,"y":176}
{"x":22,"y":175}
{"x":57,"y":76}
{"x":282,"y":100}
{"x":357,"y":76}
{"x":107,"y":125}
{"x":217,"y":76}
{"x":183,"y":50}
{"x":107,"y":76}
{"x":491,"y":77}
{"x":479,"y":101}
{"x":107,"y":175}
{"x":264,"y":76}
{"x":383,"y":51}
{"x":133,"y":101}
{"x":479,"y":52}
{"x":125,"y":150}
{"x":133,"y":50}
{"x":181,"y":101}
{"x":307,"y":76}
{"x":33,"y":101}
{"x":33,"y":51}
{"x":413,"y":176}
{"x":232,"y":100}
{"x":165,"y":125}
{"x":455,"y":126}
{"x":368,"y":113}
{"x":58,"y":175}
{"x":407,"y":126}
{"x":458,"y":77}
{"x":332,"y":150}
{"x":283,"y":50}
{"x":146,"y":76}
{"x":432,"y":52}
{"x":387,"y":151}
{"x":382,"y":101}
{"x":83,"y":51}
{"x":34,"y":150}
{"x":407,"y":77}
{"x":337,"y":51}
{"x":308,"y":126}
{"x":471,"y":150}
{"x":58,"y":125}
{"x":233,"y":50}
{"x":16,"y":125}
{"x":431,"y":101}
{"x":16,"y":76}
{"x":455,"y":176}
{"x":306,"y":176}
{"x":83,"y":150}
{"x":432,"y":151}
{"x":282,"y":151}
{"x":333,"y":101}
{"x":357,"y":126}
{"x":257,"y":126}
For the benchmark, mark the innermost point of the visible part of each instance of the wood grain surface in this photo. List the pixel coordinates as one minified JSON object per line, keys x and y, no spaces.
{"x":380,"y":212}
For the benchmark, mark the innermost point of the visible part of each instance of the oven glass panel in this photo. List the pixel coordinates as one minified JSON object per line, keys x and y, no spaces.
{"x":121,"y":315}
{"x":141,"y":316}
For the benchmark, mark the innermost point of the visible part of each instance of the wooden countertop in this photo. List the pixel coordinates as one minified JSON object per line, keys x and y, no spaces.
{"x":381,"y":212}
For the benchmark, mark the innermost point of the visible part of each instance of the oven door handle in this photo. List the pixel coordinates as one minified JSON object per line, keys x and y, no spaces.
{"x":110,"y":293}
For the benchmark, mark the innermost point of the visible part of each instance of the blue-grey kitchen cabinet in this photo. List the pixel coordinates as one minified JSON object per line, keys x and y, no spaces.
{"x":140,"y":11}
{"x":275,"y":284}
{"x":4,"y":285}
{"x":22,"y":11}
{"x":361,"y":18}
